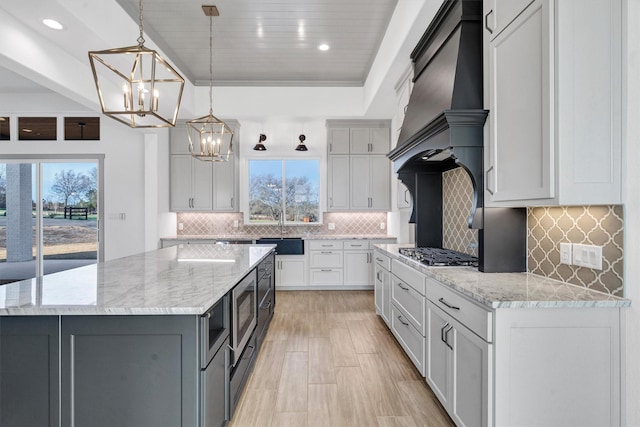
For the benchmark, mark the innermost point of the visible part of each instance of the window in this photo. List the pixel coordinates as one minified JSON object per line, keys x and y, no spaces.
{"x":300,"y":199}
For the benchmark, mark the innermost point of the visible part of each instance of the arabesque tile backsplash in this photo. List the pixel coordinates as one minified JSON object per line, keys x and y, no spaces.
{"x":603,"y":226}
{"x":221,"y":224}
{"x":457,"y":197}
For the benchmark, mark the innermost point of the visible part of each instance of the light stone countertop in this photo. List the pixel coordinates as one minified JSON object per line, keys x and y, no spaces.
{"x":309,"y":236}
{"x":510,"y":290}
{"x":187,"y":280}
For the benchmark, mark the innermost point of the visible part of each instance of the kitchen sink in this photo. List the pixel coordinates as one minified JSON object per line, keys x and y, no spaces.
{"x":285,"y":245}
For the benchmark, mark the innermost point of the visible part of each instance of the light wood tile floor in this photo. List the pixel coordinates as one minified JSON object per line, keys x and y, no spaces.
{"x":329,"y":361}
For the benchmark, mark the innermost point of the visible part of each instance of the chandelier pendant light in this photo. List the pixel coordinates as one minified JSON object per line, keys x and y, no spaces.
{"x":210,"y":139}
{"x":136,"y":86}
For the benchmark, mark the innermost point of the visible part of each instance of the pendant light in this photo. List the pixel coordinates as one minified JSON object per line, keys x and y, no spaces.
{"x":210,"y":139}
{"x":301,"y":146}
{"x":260,"y":146}
{"x":136,"y":86}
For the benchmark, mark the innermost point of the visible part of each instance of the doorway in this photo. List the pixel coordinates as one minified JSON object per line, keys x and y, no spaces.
{"x":49,"y":215}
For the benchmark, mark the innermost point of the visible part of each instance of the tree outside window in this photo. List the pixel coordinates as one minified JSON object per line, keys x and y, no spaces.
{"x":289,"y":186}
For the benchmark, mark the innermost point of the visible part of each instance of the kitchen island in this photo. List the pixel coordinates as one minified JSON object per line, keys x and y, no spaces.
{"x":120,"y":343}
{"x":505,"y":349}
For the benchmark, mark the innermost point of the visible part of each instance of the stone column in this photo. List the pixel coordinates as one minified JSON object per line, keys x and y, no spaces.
{"x":19,"y":205}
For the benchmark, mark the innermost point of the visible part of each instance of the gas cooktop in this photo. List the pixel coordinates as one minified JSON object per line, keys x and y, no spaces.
{"x":439,"y":257}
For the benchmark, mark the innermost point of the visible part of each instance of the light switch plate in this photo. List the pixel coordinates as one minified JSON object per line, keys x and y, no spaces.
{"x":180,"y":226}
{"x":331,"y":226}
{"x":236,"y":224}
{"x":589,"y":256}
{"x":565,"y":253}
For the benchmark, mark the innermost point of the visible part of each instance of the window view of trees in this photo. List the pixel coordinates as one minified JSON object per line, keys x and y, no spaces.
{"x":68,"y":202}
{"x":71,"y":188}
{"x":298,"y":178}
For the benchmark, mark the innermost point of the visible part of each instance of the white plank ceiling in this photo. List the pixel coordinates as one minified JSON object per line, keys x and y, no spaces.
{"x":269,"y":42}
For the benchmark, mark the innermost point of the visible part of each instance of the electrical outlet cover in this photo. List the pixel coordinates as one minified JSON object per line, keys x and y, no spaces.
{"x":565,"y":253}
{"x":589,"y":256}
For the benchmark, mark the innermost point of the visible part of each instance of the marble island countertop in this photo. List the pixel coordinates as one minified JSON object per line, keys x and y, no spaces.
{"x":176,"y":280}
{"x":510,"y":290}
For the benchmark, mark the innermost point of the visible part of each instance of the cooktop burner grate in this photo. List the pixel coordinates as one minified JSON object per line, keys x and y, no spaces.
{"x":439,"y":257}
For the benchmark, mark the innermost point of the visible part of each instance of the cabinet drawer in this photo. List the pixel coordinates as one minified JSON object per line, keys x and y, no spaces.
{"x":476,"y":318}
{"x":409,"y":338}
{"x":325,"y":276}
{"x":325,"y":259}
{"x":382,"y":260}
{"x":409,"y":275}
{"x":321,"y":245}
{"x":411,"y":301}
{"x":356,"y":244}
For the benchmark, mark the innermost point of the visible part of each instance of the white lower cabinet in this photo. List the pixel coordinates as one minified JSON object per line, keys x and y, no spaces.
{"x":411,"y":340}
{"x":457,"y":368}
{"x":382,"y":287}
{"x":290,"y":271}
{"x":504,"y":367}
{"x":357,"y":267}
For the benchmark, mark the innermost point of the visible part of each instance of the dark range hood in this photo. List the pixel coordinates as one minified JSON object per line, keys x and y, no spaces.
{"x":443,"y":129}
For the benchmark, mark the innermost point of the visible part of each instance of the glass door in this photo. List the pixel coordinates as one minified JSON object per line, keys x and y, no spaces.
{"x":48,"y":217}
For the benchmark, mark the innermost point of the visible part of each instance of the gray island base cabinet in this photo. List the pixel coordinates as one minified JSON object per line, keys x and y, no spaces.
{"x":149,"y":348}
{"x":130,"y":371}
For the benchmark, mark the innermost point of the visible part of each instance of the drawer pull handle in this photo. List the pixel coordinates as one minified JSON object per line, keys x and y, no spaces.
{"x":378,"y":259}
{"x":400,"y":319}
{"x":326,"y":246}
{"x":452,"y":307}
{"x":326,"y":252}
{"x":326,"y":270}
{"x":402,"y":287}
{"x":356,"y":246}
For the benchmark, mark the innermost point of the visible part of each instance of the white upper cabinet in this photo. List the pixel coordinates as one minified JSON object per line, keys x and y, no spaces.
{"x":338,"y":141}
{"x":552,"y":85}
{"x":359,"y":179}
{"x":338,"y":180}
{"x":201,"y":186}
{"x":369,"y":140}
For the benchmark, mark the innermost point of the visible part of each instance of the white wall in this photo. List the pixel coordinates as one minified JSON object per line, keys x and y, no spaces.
{"x":632,"y":213}
{"x":124,"y":172}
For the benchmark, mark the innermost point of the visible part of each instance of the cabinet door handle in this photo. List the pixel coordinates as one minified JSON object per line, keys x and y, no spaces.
{"x":488,"y":175}
{"x":486,"y":22}
{"x":330,"y":148}
{"x":378,"y":276}
{"x":442,"y":332}
{"x":232,"y":201}
{"x":402,"y":287}
{"x":452,"y":307}
{"x":446,"y":337}
{"x":330,"y":201}
{"x":404,"y":323}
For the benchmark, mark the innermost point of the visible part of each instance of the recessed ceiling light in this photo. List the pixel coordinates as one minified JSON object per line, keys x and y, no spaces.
{"x":53,"y":24}
{"x":323,"y":47}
